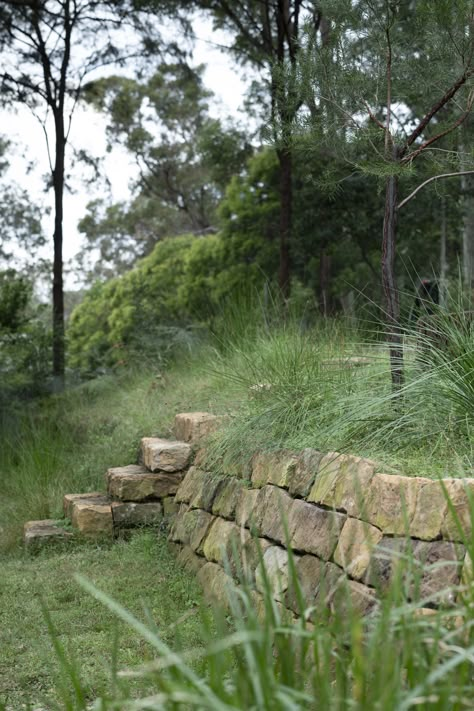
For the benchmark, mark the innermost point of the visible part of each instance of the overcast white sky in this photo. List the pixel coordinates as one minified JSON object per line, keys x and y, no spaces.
{"x":222,"y":76}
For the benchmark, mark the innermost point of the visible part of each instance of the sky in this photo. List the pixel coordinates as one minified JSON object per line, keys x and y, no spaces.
{"x":222,"y":76}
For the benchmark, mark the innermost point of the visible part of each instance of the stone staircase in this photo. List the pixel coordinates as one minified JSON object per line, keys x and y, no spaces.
{"x":136,"y":495}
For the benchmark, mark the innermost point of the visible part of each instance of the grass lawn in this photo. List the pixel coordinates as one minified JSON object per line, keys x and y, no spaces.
{"x":140,"y":573}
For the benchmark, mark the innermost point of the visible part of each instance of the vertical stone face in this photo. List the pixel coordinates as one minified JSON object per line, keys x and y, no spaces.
{"x":165,"y":455}
{"x":314,"y":530}
{"x":191,"y":527}
{"x":273,"y":468}
{"x":128,"y":514}
{"x":227,"y":498}
{"x":353,"y":597}
{"x":440,"y":564}
{"x":37,"y":534}
{"x":430,"y":510}
{"x":457,"y":522}
{"x":355,"y":546}
{"x":271,"y":513}
{"x":390,"y":502}
{"x":244,"y":512}
{"x":224,"y":542}
{"x":69,"y":499}
{"x":138,"y":484}
{"x":305,"y":471}
{"x":275,"y":563}
{"x":92,"y":519}
{"x":342,"y":482}
{"x":194,"y":426}
{"x":217,"y":585}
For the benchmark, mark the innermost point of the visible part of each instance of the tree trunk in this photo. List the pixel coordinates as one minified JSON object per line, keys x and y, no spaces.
{"x":468,"y":232}
{"x":58,"y":286}
{"x":324,"y":280}
{"x":286,"y":169}
{"x":389,"y":284}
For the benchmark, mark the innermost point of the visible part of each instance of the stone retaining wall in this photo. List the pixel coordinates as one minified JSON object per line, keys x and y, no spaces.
{"x":349,"y":526}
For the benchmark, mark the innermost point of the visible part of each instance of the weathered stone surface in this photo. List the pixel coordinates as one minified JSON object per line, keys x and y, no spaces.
{"x":430,"y":510}
{"x":305,"y":471}
{"x":342,"y":482}
{"x":310,"y":572}
{"x":189,"y":559}
{"x":244,"y":512}
{"x":275,"y":562}
{"x":69,"y":499}
{"x":227,"y":498}
{"x":252,"y":553}
{"x":170,"y":507}
{"x":200,"y":488}
{"x":195,"y":426}
{"x":135,"y":483}
{"x":271,"y":513}
{"x":314,"y":530}
{"x":353,"y":597}
{"x":223,"y":543}
{"x":389,"y":559}
{"x":190,"y":485}
{"x":441,"y":563}
{"x":216,"y":584}
{"x":190,"y":527}
{"x":36,"y":534}
{"x":390,"y":502}
{"x":457,"y":522}
{"x":128,"y":514}
{"x":426,"y":568}
{"x":163,"y":455}
{"x":273,"y":468}
{"x":355,"y":545}
{"x":93,"y":517}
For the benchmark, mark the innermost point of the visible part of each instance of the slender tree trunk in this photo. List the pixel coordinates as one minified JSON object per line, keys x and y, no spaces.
{"x":468,"y":232}
{"x":286,"y":197}
{"x":389,"y":284}
{"x":58,"y":286}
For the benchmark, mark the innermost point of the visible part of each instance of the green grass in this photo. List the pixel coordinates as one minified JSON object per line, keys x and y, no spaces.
{"x":141,"y":574}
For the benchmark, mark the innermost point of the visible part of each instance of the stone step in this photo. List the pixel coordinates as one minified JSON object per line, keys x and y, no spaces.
{"x":91,"y":514}
{"x":163,"y":455}
{"x":36,"y":534}
{"x":195,"y":426}
{"x":137,"y":483}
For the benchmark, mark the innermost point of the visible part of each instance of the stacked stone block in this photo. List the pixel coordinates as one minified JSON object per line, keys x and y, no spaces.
{"x":350,"y":528}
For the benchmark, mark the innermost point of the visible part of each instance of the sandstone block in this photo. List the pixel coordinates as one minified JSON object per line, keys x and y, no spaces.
{"x":430,"y":510}
{"x":273,"y":468}
{"x":353,"y":597}
{"x":390,"y":502}
{"x":190,"y":560}
{"x":227,"y":498}
{"x":224,"y":543}
{"x":216,"y":584}
{"x":275,"y":569}
{"x":271,"y":513}
{"x":135,"y":483}
{"x":165,"y":455}
{"x":244,"y":512}
{"x":190,"y":527}
{"x":69,"y":499}
{"x":310,"y":571}
{"x":390,"y":560}
{"x":170,"y":507}
{"x":314,"y":530}
{"x":93,"y":517}
{"x":36,"y":534}
{"x":305,"y":471}
{"x":252,"y":553}
{"x":355,"y":545}
{"x":195,"y":426}
{"x":128,"y":514}
{"x":342,"y":482}
{"x":457,"y":521}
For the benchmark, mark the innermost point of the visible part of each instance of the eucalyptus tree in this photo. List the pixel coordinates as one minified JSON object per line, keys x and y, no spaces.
{"x":394,"y":79}
{"x":266,"y":35}
{"x":47,"y":49}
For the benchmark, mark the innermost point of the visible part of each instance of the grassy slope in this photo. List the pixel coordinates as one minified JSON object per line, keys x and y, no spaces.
{"x":141,"y":574}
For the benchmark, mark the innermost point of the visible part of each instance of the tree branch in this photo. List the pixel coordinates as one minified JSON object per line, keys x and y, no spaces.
{"x":430,"y":180}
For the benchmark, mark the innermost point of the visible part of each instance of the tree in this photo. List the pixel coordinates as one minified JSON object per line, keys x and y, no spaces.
{"x":41,"y":71}
{"x":266,"y":35}
{"x":400,"y":46}
{"x":185,"y":160}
